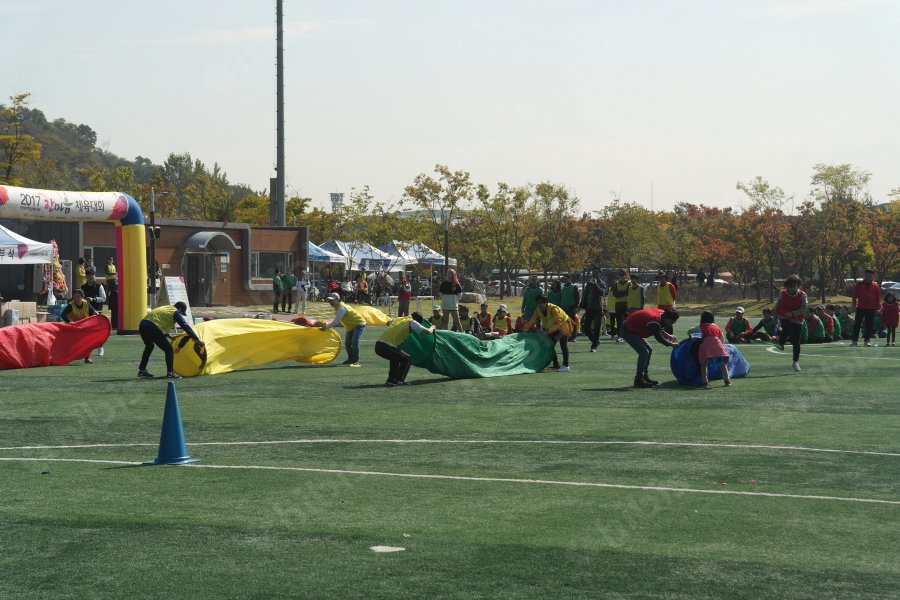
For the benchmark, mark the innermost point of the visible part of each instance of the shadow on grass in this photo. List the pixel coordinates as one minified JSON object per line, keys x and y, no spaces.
{"x":369,"y":386}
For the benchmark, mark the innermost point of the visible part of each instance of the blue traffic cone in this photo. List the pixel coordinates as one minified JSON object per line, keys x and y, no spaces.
{"x":172,"y":449}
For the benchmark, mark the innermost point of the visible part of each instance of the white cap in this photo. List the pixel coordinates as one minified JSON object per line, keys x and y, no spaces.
{"x":436,"y":307}
{"x":739,"y":309}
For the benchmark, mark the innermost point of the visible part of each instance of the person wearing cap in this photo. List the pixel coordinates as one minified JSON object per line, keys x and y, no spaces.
{"x":666,"y":292}
{"x":503,"y":324}
{"x":153,"y":329}
{"x":111,"y":274}
{"x":866,"y":299}
{"x":791,"y":308}
{"x":642,"y":324}
{"x":437,"y":317}
{"x":737,"y":327}
{"x":388,"y":346}
{"x":354,"y":326}
{"x":618,"y":303}
{"x":78,"y":310}
{"x":404,"y":296}
{"x":556,"y":325}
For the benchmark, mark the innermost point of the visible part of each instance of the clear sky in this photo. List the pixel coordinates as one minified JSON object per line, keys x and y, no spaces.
{"x":682,"y":96}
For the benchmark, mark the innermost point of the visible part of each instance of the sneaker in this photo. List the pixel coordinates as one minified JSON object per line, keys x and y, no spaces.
{"x":347,"y":362}
{"x":593,"y":349}
{"x":401,"y":383}
{"x":641,"y":383}
{"x":145,"y":375}
{"x":172,"y":375}
{"x":868,"y":345}
{"x":88,"y":361}
{"x":356,"y":364}
{"x":101,"y":352}
{"x":796,"y":366}
{"x":391,"y":383}
{"x":563,"y":369}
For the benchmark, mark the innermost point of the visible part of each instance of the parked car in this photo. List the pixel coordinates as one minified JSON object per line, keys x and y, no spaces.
{"x":493,"y":288}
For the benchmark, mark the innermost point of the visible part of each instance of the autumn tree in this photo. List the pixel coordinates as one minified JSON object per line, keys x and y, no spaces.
{"x":507,"y":219}
{"x":764,"y":231}
{"x":18,"y":147}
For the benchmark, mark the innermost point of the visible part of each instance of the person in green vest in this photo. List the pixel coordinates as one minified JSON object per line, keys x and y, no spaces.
{"x":288,"y":281}
{"x":354,"y":326}
{"x":554,"y":296}
{"x":276,"y":289}
{"x":766,"y":329}
{"x":388,"y":346}
{"x":569,"y":303}
{"x":153,"y":329}
{"x":529,"y":297}
{"x":737,"y":326}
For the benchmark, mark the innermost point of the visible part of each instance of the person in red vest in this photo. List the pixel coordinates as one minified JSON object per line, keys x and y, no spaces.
{"x":642,"y":324}
{"x":791,"y":309}
{"x":890,"y":317}
{"x":404,"y":296}
{"x":867,"y":300}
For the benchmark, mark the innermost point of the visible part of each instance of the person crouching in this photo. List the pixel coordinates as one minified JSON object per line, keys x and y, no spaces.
{"x":388,"y":346}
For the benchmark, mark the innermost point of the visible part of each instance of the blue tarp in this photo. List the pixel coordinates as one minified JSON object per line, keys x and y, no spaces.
{"x":687,"y":370}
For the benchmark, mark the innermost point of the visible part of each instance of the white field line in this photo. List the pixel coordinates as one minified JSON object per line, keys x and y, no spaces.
{"x":472,"y":442}
{"x":774,"y":350}
{"x":588,"y":484}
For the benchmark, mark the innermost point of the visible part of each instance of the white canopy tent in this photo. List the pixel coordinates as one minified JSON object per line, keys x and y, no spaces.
{"x":16,"y":249}
{"x":364,"y":256}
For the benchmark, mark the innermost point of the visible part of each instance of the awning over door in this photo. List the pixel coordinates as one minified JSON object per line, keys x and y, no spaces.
{"x":216,"y":241}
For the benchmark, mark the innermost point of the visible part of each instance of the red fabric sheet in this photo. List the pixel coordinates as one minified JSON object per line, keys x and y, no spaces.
{"x":46,"y":344}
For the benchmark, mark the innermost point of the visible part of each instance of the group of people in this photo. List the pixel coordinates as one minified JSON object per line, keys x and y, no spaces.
{"x":283,"y":287}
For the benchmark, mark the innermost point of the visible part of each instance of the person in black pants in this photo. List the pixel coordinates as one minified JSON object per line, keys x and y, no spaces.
{"x":388,"y":346}
{"x":153,"y":329}
{"x":592,"y":304}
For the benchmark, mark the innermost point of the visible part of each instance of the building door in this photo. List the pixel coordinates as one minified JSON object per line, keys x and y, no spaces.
{"x":199,"y":278}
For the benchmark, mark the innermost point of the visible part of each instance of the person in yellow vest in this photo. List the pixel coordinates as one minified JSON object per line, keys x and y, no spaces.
{"x":111,"y":274}
{"x":557,"y":325}
{"x":666,"y":292}
{"x":153,"y":329}
{"x":502,"y":322}
{"x":353,"y":324}
{"x":388,"y":346}
{"x":80,"y":274}
{"x":635,"y":295}
{"x":78,"y":310}
{"x":618,"y":304}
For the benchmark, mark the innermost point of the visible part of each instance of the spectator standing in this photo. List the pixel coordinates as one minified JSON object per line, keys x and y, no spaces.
{"x":556,"y":325}
{"x":791,"y":309}
{"x":353,"y":323}
{"x":666,"y":292}
{"x":642,"y":324}
{"x":404,"y":296}
{"x":569,"y":301}
{"x":701,"y":278}
{"x":890,"y":318}
{"x":111,"y":274}
{"x":450,"y":290}
{"x":866,"y":299}
{"x":304,"y":285}
{"x":80,"y":275}
{"x":592,"y":305}
{"x":636,"y":297}
{"x":618,"y":303}
{"x":529,"y":297}
{"x":94,"y":292}
{"x":276,"y":289}
{"x":112,"y":298}
{"x":554,"y":296}
{"x":737,"y":327}
{"x":288,"y":282}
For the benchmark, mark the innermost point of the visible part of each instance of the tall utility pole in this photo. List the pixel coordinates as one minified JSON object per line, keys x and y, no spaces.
{"x":276,"y":201}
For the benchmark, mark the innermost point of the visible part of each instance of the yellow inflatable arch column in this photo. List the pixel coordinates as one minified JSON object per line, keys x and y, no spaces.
{"x":131,"y":245}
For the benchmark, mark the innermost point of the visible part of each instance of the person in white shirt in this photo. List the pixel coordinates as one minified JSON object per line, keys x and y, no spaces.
{"x":303,"y":286}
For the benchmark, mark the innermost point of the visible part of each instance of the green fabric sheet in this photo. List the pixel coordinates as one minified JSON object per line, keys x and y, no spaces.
{"x":462,"y":356}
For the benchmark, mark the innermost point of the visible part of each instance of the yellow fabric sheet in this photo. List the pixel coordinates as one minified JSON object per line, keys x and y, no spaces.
{"x":372,"y":315}
{"x":233,"y":344}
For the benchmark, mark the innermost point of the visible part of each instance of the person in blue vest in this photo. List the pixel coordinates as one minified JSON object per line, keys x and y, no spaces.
{"x":153,"y":329}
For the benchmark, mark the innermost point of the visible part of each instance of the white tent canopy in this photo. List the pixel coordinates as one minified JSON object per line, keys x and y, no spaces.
{"x":426,"y":256}
{"x":364,"y":256}
{"x":19,"y":250}
{"x":317,"y":254}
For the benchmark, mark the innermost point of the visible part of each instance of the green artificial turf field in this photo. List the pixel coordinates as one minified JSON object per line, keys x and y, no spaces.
{"x":553,"y":485}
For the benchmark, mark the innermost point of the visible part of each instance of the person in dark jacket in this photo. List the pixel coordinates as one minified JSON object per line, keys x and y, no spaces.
{"x":592,"y":304}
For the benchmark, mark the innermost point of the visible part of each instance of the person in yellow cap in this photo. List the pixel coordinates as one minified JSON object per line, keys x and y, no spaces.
{"x":153,"y":329}
{"x":388,"y":346}
{"x":353,"y":324}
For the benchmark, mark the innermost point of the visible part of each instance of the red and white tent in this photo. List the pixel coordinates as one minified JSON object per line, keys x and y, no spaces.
{"x":19,"y":250}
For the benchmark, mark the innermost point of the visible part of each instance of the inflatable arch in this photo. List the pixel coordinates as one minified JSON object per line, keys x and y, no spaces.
{"x":131,"y":245}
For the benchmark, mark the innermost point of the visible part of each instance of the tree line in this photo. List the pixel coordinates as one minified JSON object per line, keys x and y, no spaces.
{"x":832,"y":234}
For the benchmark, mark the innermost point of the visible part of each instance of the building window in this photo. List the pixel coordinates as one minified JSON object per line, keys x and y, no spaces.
{"x":263,"y":264}
{"x":99,"y":254}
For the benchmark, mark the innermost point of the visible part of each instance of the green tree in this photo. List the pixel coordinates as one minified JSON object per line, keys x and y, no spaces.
{"x":19,"y":148}
{"x":763,"y":232}
{"x":507,"y":225}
